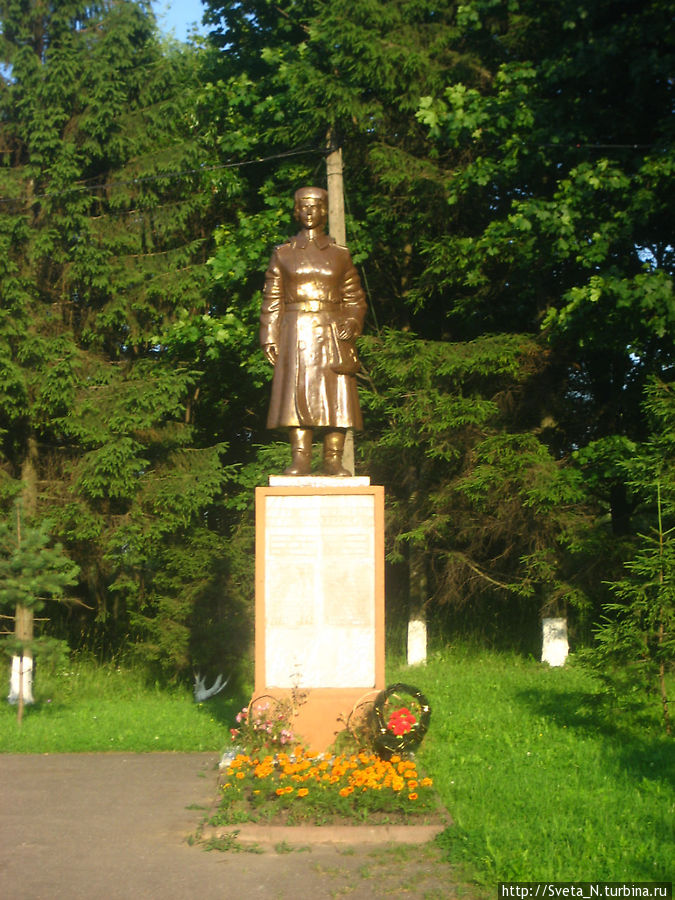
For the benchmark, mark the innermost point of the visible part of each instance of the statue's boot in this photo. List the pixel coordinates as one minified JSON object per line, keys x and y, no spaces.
{"x":301,"y":448}
{"x":333,"y":445}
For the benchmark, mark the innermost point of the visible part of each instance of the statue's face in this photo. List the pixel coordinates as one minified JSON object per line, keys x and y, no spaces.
{"x":311,"y":212}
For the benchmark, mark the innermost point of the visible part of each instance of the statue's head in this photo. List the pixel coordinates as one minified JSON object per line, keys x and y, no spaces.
{"x":311,"y":207}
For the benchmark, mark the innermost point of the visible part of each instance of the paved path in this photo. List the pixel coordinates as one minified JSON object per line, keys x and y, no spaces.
{"x":114,"y":827}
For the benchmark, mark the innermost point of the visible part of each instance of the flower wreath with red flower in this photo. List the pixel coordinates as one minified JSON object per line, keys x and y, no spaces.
{"x":401,"y":728}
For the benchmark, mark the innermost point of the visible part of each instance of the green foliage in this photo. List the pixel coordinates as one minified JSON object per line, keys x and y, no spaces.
{"x":643,"y":631}
{"x":558,"y":166}
{"x":491,"y":510}
{"x":507,"y":186}
{"x":635,"y":647}
{"x":636,"y":637}
{"x":32,"y":571}
{"x":281,"y":77}
{"x":105,"y":233}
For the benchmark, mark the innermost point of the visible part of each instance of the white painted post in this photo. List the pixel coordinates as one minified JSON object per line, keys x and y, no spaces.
{"x":15,"y":685}
{"x":555,"y":646}
{"x":417,"y":639}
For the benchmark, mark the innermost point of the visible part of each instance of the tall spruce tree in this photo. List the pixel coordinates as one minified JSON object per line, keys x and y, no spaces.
{"x":105,"y":227}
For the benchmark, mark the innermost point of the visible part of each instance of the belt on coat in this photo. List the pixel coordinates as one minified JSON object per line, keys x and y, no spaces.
{"x":312,"y":306}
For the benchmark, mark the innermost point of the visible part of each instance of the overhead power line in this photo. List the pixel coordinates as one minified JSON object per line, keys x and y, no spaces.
{"x":182,"y":173}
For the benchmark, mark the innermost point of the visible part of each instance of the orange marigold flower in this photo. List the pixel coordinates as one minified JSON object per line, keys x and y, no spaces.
{"x":426,"y":782}
{"x":280,"y":791}
{"x":412,"y":796}
{"x":241,"y":774}
{"x":346,"y":791}
{"x":412,"y":785}
{"x":302,"y":792}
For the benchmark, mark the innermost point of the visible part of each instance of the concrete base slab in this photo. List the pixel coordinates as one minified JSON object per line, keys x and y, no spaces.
{"x":310,"y":835}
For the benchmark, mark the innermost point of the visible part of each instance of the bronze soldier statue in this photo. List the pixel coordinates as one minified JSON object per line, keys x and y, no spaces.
{"x":312,"y":310}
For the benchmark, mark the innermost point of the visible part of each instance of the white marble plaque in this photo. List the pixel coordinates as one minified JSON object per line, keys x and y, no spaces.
{"x":319,"y":588}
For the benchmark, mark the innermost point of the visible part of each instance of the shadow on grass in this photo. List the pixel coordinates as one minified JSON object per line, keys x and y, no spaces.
{"x":224,"y":707}
{"x":634,"y":743}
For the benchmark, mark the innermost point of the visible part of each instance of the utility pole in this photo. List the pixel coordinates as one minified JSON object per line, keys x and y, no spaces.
{"x":336,"y":199}
{"x":337,"y":230}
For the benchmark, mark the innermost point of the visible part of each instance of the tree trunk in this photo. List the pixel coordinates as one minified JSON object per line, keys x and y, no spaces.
{"x":24,"y":627}
{"x":619,"y":509}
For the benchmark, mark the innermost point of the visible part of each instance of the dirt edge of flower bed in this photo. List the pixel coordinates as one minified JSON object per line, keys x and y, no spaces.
{"x":260,"y":833}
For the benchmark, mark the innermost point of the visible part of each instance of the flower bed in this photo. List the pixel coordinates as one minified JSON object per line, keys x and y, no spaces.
{"x":306,"y":787}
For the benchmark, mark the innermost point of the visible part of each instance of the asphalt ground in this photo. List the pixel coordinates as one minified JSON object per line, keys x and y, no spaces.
{"x":116,"y":826}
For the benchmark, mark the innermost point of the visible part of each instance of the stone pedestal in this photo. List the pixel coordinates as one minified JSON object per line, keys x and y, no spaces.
{"x":319,"y":597}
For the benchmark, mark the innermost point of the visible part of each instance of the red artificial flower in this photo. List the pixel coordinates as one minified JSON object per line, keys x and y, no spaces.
{"x":401,"y":721}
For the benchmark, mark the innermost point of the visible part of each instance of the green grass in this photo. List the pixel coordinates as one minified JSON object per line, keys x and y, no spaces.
{"x":541,"y":783}
{"x":90,"y":708}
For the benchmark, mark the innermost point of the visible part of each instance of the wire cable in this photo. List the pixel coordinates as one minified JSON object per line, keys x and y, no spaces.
{"x":182,"y":173}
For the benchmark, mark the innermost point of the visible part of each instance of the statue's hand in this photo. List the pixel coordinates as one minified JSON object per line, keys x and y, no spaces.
{"x":271,"y":351}
{"x":345,"y":331}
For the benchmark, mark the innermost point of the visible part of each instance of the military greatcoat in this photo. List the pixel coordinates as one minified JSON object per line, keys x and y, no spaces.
{"x":311,"y":288}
